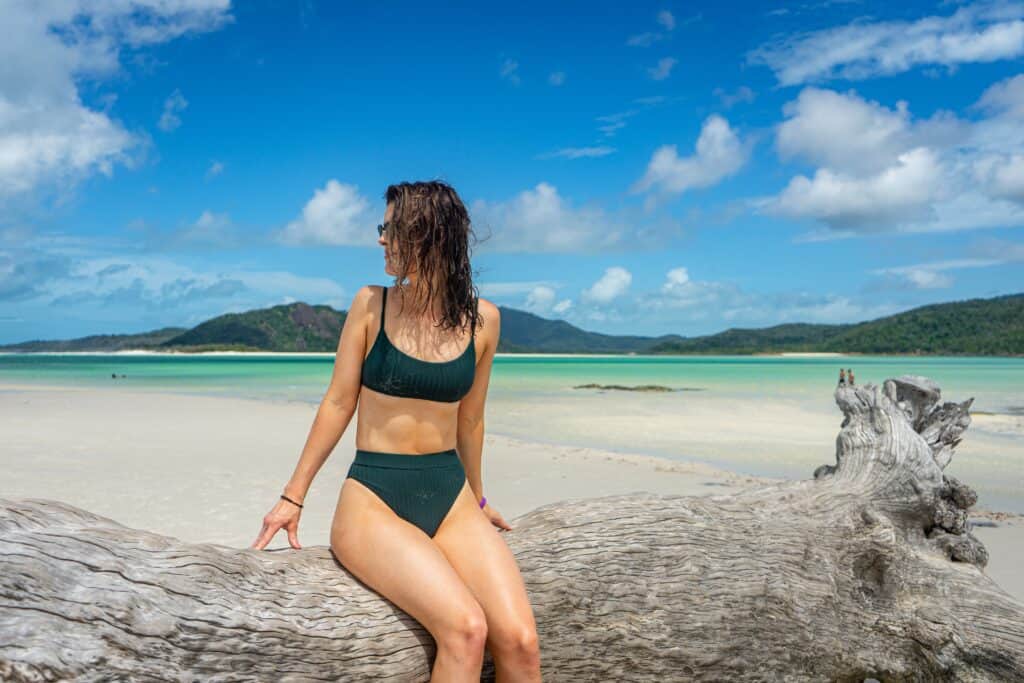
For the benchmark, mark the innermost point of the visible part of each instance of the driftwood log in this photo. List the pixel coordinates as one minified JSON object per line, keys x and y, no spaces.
{"x":868,"y":570}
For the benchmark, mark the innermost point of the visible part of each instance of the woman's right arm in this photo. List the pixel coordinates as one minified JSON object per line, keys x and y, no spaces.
{"x":332,"y":418}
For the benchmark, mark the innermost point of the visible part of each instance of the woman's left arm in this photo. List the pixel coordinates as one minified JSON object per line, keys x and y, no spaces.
{"x":470,"y":438}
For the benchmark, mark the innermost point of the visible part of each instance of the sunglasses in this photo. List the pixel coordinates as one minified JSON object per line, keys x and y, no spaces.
{"x":381,"y":228}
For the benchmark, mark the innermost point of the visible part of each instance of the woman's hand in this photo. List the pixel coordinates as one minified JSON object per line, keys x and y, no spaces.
{"x":496,"y":518}
{"x":285,"y":515}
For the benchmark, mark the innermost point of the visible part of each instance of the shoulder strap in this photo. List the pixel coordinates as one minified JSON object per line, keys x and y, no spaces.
{"x":384,"y":303}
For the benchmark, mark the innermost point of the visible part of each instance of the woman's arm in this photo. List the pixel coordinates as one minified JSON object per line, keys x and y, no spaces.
{"x":470,"y":440}
{"x":339,"y":402}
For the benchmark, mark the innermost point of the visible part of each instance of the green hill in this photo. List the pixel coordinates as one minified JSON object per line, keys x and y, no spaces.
{"x":973,"y":327}
{"x":288,"y":327}
{"x":526,"y":332}
{"x":99,"y":342}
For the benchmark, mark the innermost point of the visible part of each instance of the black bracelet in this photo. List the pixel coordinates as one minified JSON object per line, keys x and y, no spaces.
{"x":290,"y":500}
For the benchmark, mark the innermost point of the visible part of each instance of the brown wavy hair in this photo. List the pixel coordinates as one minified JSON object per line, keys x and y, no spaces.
{"x":430,"y":232}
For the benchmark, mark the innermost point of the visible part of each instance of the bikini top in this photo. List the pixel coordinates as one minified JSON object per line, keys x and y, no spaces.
{"x":391,"y":371}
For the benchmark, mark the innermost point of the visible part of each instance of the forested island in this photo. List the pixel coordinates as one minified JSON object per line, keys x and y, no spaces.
{"x":975,"y":327}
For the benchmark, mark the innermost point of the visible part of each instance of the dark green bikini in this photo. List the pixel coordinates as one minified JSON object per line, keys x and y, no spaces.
{"x":419,"y":487}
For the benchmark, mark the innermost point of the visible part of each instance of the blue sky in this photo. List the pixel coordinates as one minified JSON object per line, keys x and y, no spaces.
{"x":639,"y":168}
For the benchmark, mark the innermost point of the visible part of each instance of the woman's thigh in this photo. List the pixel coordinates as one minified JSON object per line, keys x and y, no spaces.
{"x":399,"y":561}
{"x":478,"y":552}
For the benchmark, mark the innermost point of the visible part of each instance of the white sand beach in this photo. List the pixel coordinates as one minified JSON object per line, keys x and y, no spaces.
{"x":206,"y":469}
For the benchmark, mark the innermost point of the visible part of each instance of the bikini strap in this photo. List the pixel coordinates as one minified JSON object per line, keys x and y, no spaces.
{"x":384,"y":303}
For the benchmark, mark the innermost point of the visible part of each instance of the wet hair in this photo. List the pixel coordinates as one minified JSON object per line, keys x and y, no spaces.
{"x":430,"y":232}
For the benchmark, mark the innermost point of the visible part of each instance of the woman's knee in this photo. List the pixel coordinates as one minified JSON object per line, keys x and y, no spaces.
{"x":518,"y":642}
{"x":466,"y":630}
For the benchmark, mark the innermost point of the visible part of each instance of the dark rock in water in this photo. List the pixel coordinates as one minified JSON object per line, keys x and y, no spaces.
{"x":983,"y":522}
{"x":639,"y":387}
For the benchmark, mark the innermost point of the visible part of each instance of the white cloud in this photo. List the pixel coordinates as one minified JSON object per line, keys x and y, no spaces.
{"x":210,"y":228}
{"x":336,"y":215}
{"x":933,"y":275}
{"x":144,"y":289}
{"x":540,"y":299}
{"x":540,"y":220}
{"x":611,"y":285}
{"x":663,"y":69}
{"x":702,"y":298}
{"x":562,"y":307}
{"x":50,"y":138}
{"x":511,"y":288}
{"x":880,"y":170}
{"x":978,"y":32}
{"x":845,"y":131}
{"x":719,"y":153}
{"x":173,"y":106}
{"x":557,"y":78}
{"x":578,"y":152}
{"x":666,"y":19}
{"x":903,"y":192}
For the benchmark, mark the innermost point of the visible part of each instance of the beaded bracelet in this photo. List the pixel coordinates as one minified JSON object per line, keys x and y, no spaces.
{"x":290,"y":500}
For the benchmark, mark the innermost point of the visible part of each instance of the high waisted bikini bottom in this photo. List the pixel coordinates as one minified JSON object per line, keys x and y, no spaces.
{"x":419,"y":488}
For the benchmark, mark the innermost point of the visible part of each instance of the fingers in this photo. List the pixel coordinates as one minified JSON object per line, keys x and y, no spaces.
{"x":267,"y":533}
{"x":293,"y":536}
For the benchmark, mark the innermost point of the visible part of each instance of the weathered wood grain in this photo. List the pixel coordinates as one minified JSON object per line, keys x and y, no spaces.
{"x":867,"y":570}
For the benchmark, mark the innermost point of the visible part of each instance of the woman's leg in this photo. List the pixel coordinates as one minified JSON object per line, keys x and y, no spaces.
{"x":481,"y":557}
{"x":400,"y":562}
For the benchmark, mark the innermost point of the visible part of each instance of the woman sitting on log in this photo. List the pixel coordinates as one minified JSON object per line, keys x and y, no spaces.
{"x":411,"y":520}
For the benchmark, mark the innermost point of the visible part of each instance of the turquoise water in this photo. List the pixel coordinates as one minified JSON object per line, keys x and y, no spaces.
{"x":761,"y":415}
{"x":996,"y":383}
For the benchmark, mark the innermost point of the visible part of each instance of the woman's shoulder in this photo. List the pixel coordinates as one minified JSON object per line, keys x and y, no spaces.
{"x":362,"y":300}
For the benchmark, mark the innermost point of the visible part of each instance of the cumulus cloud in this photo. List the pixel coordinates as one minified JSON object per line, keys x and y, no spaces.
{"x":611,"y":285}
{"x":541,"y":220}
{"x":903,"y":192}
{"x":336,"y":215}
{"x":540,"y":299}
{"x":719,"y":153}
{"x":978,"y":32}
{"x":49,"y":137}
{"x":881,"y":170}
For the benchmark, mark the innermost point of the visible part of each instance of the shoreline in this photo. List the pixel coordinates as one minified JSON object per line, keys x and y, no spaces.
{"x":506,"y":354}
{"x":656,"y":462}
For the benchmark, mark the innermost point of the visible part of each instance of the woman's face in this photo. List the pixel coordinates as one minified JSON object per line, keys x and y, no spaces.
{"x":383,"y":241}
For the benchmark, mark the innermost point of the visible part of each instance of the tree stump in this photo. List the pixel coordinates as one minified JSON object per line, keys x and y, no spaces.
{"x":867,"y":570}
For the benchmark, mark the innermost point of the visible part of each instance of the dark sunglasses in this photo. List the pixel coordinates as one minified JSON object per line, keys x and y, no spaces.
{"x":381,"y":228}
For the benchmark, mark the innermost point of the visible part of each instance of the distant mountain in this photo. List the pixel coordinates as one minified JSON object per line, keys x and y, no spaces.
{"x":288,"y":327}
{"x":973,"y":327}
{"x":981,"y":327}
{"x":526,"y":332}
{"x":100,"y":342}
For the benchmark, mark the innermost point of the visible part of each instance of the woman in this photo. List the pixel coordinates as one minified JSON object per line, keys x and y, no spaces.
{"x":412,"y":521}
